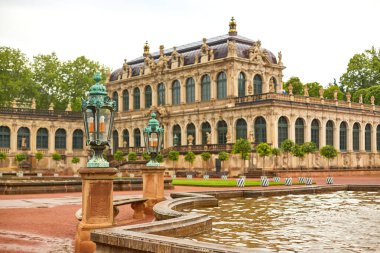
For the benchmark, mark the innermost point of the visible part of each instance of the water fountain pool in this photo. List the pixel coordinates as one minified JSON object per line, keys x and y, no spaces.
{"x":343,"y":221}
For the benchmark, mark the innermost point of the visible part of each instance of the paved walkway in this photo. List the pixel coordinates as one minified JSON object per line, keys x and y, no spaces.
{"x":46,"y":222}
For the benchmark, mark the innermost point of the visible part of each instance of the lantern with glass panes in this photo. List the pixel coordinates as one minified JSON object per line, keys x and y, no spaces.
{"x":98,"y":114}
{"x":153,"y":135}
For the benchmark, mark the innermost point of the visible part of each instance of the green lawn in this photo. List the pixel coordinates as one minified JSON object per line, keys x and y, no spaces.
{"x":220,"y":182}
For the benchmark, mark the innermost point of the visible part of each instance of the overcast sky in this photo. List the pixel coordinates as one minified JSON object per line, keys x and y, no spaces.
{"x":317,"y":38}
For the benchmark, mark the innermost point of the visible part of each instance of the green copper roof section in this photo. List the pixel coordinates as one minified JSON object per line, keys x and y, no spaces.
{"x":98,"y":88}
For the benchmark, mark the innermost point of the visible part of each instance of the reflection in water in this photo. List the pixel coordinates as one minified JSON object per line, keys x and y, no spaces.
{"x":342,"y":221}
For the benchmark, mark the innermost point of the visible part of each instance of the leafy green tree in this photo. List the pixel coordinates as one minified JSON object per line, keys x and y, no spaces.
{"x":287,"y":146}
{"x":15,"y":77}
{"x":190,"y":157}
{"x":206,"y":156}
{"x":20,"y":157}
{"x":132,"y":156}
{"x":367,"y":94}
{"x":39,"y":156}
{"x":119,"y":157}
{"x":297,"y":85}
{"x":314,"y":88}
{"x":276,"y":152}
{"x":242,"y":147}
{"x":263,"y":149}
{"x":329,"y":92}
{"x":173,"y":156}
{"x":297,"y":151}
{"x":329,"y":152}
{"x":146,"y":156}
{"x":3,"y":156}
{"x":75,"y":160}
{"x":363,"y":71}
{"x":56,"y":157}
{"x":308,"y":148}
{"x":159,"y":158}
{"x":223,"y":156}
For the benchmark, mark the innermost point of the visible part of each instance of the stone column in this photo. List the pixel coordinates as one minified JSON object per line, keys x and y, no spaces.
{"x":52,"y":140}
{"x":213,"y":86}
{"x":13,"y":132}
{"x":197,"y":88}
{"x":170,"y":95}
{"x":97,"y":205}
{"x":154,"y":95}
{"x":69,"y":141}
{"x":182,"y":90}
{"x":373,"y":138}
{"x":33,"y":139}
{"x":130,"y":96}
{"x":120,"y":105}
{"x":349,"y":138}
{"x":142,"y":98}
{"x":153,"y":186}
{"x":362,"y":138}
{"x":336,"y":136}
{"x":308,"y":131}
{"x":322,"y":131}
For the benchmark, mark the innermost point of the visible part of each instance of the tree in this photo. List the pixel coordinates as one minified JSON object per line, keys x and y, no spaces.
{"x":329,"y":152}
{"x":119,"y":157}
{"x":329,"y":92}
{"x":223,"y":156}
{"x":206,"y":157}
{"x":287,"y":146}
{"x":297,"y":151}
{"x":159,"y":158}
{"x":75,"y":160}
{"x":309,"y":147}
{"x":56,"y":157}
{"x":367,"y":94}
{"x":314,"y":88}
{"x":20,"y":157}
{"x":276,"y":152}
{"x":3,"y":156}
{"x":263,"y":149}
{"x":190,"y":157}
{"x":173,"y":156}
{"x":363,"y":71}
{"x":39,"y":156}
{"x":146,"y":156}
{"x":132,"y":156}
{"x":242,"y":147}
{"x":297,"y":85}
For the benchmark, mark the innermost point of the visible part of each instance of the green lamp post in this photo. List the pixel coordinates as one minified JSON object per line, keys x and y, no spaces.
{"x":98,"y":114}
{"x":153,"y":135}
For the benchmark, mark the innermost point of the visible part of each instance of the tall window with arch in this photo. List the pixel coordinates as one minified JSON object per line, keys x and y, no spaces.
{"x":137,"y":137}
{"x":343,"y":136}
{"x":282,"y":130}
{"x":190,"y":90}
{"x":78,"y":139}
{"x":315,"y":132}
{"x":367,"y":138}
{"x":60,"y":139}
{"x":257,"y":85}
{"x":115,"y":97}
{"x":221,"y":85}
{"x":241,"y":129}
{"x":161,"y":94}
{"x":5,"y":137}
{"x":176,"y":93}
{"x":222,"y":132}
{"x":136,"y":98}
{"x":23,"y":138}
{"x":300,"y":131}
{"x":356,"y":137}
{"x":206,"y":131}
{"x":260,"y":130}
{"x":241,"y":85}
{"x":177,"y":136}
{"x":42,"y":141}
{"x":115,"y":141}
{"x":190,"y":130}
{"x":330,"y":133}
{"x":126,"y":138}
{"x":205,"y":88}
{"x":125,"y":101}
{"x":148,"y":96}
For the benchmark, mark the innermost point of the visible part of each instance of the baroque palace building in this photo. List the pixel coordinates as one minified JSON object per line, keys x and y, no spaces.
{"x":208,"y":94}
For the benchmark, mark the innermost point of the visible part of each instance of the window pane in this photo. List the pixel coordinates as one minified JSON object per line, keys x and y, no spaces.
{"x":330,"y":133}
{"x":315,"y":132}
{"x":241,"y":85}
{"x":343,"y":137}
{"x":23,"y":138}
{"x":115,"y":97}
{"x":190,"y":90}
{"x":367,"y":138}
{"x":5,"y":137}
{"x":161,"y":94}
{"x":355,"y":137}
{"x":60,"y":139}
{"x":260,"y":130}
{"x":176,"y":93}
{"x":148,"y":96}
{"x":78,"y":139}
{"x":205,"y":88}
{"x":125,"y":101}
{"x":222,"y":132}
{"x":42,"y":138}
{"x":206,"y":130}
{"x":299,"y":131}
{"x":221,"y":86}
{"x":257,"y":85}
{"x":282,"y":130}
{"x":177,"y":135}
{"x":241,"y":129}
{"x":136,"y":99}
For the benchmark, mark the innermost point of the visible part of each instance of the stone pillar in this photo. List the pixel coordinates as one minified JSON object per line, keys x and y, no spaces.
{"x":130,"y":95}
{"x":349,"y":138}
{"x":362,"y":138}
{"x":69,"y":141}
{"x":153,"y":186}
{"x":13,"y":132}
{"x":97,"y":205}
{"x":142,"y":98}
{"x":213,"y":86}
{"x":182,"y":90}
{"x":197,"y":88}
{"x":154,"y":95}
{"x":120,"y":99}
{"x":51,"y":140}
{"x":336,"y":136}
{"x":170,"y":96}
{"x":308,"y":131}
{"x":373,"y":138}
{"x":33,"y":139}
{"x":322,"y":132}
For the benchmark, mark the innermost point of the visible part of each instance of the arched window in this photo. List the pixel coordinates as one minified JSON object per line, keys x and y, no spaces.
{"x":300,"y":131}
{"x":177,"y":135}
{"x":241,"y":85}
{"x":343,"y":136}
{"x":78,"y":139}
{"x":23,"y":138}
{"x":221,"y":85}
{"x":176,"y":93}
{"x":205,"y":88}
{"x":161,"y":94}
{"x":137,"y":137}
{"x":315,"y":132}
{"x":257,"y":85}
{"x":125,"y":138}
{"x":282,"y":130}
{"x":222,"y":132}
{"x":42,"y":141}
{"x":125,"y":101}
{"x":274,"y":84}
{"x":5,"y":137}
{"x":367,"y":138}
{"x":190,"y":90}
{"x":378,"y":138}
{"x":355,"y":136}
{"x":115,"y":97}
{"x":60,"y":139}
{"x":330,"y":133}
{"x":148,"y":96}
{"x":241,"y":129}
{"x":260,"y":130}
{"x":191,"y":131}
{"x":136,"y":99}
{"x":206,"y":130}
{"x":115,"y":141}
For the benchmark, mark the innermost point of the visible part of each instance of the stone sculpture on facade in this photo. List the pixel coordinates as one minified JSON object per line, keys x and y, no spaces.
{"x":280,"y":58}
{"x":321,"y":91}
{"x":208,"y":134}
{"x":204,"y":51}
{"x":361,"y":99}
{"x":255,"y":53}
{"x":174,"y":58}
{"x":290,"y":88}
{"x":306,"y":91}
{"x":190,"y":139}
{"x":348,"y":96}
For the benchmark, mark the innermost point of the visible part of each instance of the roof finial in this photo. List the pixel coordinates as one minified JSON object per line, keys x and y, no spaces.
{"x":146,"y":49}
{"x":232,"y":31}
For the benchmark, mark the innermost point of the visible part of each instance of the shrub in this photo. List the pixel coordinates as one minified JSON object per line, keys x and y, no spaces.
{"x":56,"y":156}
{"x":146,"y":156}
{"x":159,"y":158}
{"x":190,"y":157}
{"x":242,"y":147}
{"x":3,"y":156}
{"x":206,"y":156}
{"x":223,"y":156}
{"x":39,"y":156}
{"x":132,"y":156}
{"x":75,"y":160}
{"x":20,"y":157}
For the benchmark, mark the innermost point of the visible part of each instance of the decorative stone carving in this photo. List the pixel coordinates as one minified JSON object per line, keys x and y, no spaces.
{"x":321,"y":91}
{"x":290,"y":88}
{"x":279,"y":58}
{"x":190,"y":139}
{"x":255,"y":53}
{"x":208,"y":134}
{"x":68,"y":108}
{"x":211,"y":53}
{"x":196,"y":58}
{"x":204,"y":51}
{"x":348,"y":96}
{"x":51,"y":107}
{"x":174,"y":58}
{"x":33,"y":103}
{"x":231,"y":48}
{"x":372,"y":100}
{"x":271,"y":85}
{"x":228,"y":137}
{"x":162,"y":63}
{"x":181,"y":60}
{"x":335,"y":95}
{"x":126,"y":70}
{"x":306,"y":91}
{"x":250,"y":89}
{"x":361,"y":99}
{"x":14,"y":104}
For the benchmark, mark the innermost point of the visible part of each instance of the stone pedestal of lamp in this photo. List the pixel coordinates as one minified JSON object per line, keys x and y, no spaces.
{"x":153,"y":186}
{"x":97,"y":205}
